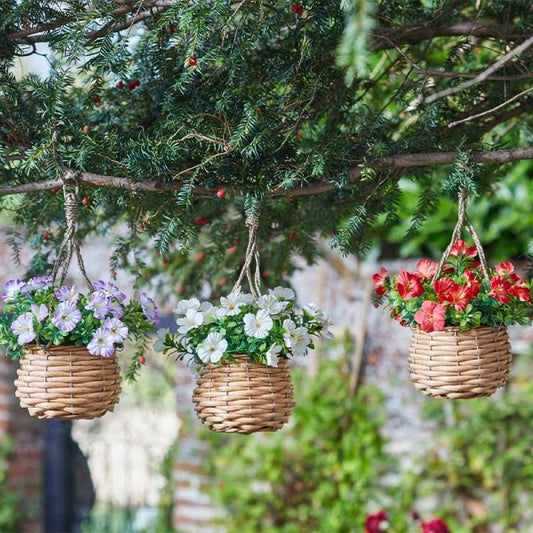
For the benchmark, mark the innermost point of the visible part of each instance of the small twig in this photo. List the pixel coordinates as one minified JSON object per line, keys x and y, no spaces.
{"x":489,"y":111}
{"x":483,"y":75}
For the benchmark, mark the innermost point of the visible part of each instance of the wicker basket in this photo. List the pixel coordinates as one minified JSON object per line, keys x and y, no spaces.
{"x":459,"y":364}
{"x":67,"y":382}
{"x":244,"y":397}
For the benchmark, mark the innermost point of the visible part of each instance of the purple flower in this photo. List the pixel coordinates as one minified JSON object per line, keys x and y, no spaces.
{"x":23,"y":328}
{"x":101,"y":343}
{"x":67,"y":316}
{"x":99,"y":305}
{"x":67,"y":294}
{"x":39,"y":311}
{"x":151,"y":312}
{"x":39,"y":283}
{"x":110,"y":290}
{"x":117,"y":330}
{"x":116,"y":309}
{"x":11,"y":289}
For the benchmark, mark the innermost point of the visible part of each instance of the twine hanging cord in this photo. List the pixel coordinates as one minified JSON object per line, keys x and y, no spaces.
{"x":71,"y":244}
{"x":464,"y":222}
{"x":251,"y":267}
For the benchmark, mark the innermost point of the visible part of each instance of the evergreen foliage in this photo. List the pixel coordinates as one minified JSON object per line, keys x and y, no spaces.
{"x":258,"y":99}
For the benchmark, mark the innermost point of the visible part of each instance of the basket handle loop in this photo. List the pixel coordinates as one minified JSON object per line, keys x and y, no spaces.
{"x":464,"y":222}
{"x":251,"y":267}
{"x":70,"y":245}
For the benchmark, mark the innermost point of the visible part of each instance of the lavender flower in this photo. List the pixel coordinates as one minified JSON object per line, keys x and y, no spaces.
{"x":67,"y":294}
{"x":117,"y":330}
{"x":39,"y":283}
{"x":110,"y":290}
{"x":67,"y":316}
{"x":151,"y":312}
{"x":101,"y":343}
{"x":99,"y":305}
{"x":11,"y":289}
{"x":23,"y":328}
{"x":116,"y":309}
{"x":39,"y":311}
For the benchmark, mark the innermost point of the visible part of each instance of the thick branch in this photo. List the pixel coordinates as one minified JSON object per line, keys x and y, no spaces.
{"x":416,"y":34}
{"x":396,"y":161}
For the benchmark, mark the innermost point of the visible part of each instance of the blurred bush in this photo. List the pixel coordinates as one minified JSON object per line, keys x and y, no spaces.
{"x":9,"y":499}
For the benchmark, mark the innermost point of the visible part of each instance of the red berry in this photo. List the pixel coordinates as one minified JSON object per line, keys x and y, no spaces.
{"x":181,"y":289}
{"x":298,"y":9}
{"x":142,"y":359}
{"x":46,"y":235}
{"x":132,"y":85}
{"x":165,"y":261}
{"x":120,"y":85}
{"x":85,"y":129}
{"x":232,"y":250}
{"x":171,"y":30}
{"x":200,"y":221}
{"x":292,"y":236}
{"x":199,"y":256}
{"x":259,"y":111}
{"x":55,"y":190}
{"x":222,"y":281}
{"x":221,"y":193}
{"x":266,"y":273}
{"x":299,"y":134}
{"x":192,"y":61}
{"x":85,"y":200}
{"x":415,"y":515}
{"x":113,"y":275}
{"x":96,"y":99}
{"x":227,"y":148}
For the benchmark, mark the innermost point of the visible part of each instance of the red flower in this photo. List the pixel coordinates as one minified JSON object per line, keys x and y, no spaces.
{"x":457,"y":295}
{"x":375,"y":522}
{"x":442,"y":287}
{"x":398,"y":318}
{"x":409,"y":285}
{"x":521,"y":292}
{"x":459,"y":248}
{"x":504,"y":268}
{"x":435,"y":525}
{"x":431,"y":316}
{"x":427,"y":268}
{"x":379,"y":280}
{"x":500,"y":289}
{"x":472,"y":282}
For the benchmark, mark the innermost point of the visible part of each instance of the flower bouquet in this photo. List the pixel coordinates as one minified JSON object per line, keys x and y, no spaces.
{"x":241,"y":348}
{"x":459,"y":310}
{"x":66,"y":343}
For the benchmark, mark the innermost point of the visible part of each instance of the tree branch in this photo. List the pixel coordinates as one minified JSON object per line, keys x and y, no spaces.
{"x":417,"y":34}
{"x":396,"y":161}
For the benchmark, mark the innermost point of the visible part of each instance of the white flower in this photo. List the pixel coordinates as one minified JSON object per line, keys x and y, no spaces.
{"x":314,"y":312}
{"x":283,"y":292}
{"x":296,"y":338}
{"x":232,"y":304}
{"x":213,"y":348}
{"x":191,"y":320}
{"x":270,"y":303}
{"x":258,"y":325}
{"x":272,"y":355}
{"x":161,"y":335}
{"x":40,"y":311}
{"x":184,"y":305}
{"x":209,"y":311}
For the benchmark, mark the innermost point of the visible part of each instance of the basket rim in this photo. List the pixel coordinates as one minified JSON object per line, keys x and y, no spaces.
{"x":243,"y":359}
{"x":457,"y":329}
{"x":61,"y":349}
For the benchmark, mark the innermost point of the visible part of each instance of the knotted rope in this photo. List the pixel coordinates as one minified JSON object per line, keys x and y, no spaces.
{"x":71,"y":244}
{"x":251,"y":259}
{"x":464,"y":222}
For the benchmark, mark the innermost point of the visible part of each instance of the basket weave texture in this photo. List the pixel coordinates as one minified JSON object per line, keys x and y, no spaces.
{"x":67,"y":383}
{"x":458,"y":364}
{"x":244,"y":397}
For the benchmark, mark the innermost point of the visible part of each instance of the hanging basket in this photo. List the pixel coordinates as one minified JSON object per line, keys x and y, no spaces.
{"x":67,"y":383}
{"x":244,"y":397}
{"x":458,"y":364}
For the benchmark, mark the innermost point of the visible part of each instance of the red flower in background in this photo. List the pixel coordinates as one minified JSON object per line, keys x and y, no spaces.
{"x":499,"y":289}
{"x":409,"y":285}
{"x":427,"y":268}
{"x":431,"y":316}
{"x":504,"y":268}
{"x":460,"y":248}
{"x":520,"y":291}
{"x":379,"y":281}
{"x":375,"y":522}
{"x":398,"y":318}
{"x":435,"y":525}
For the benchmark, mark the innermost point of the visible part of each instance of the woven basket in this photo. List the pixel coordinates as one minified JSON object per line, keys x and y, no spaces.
{"x":67,"y":383}
{"x":244,"y":397}
{"x":459,"y":364}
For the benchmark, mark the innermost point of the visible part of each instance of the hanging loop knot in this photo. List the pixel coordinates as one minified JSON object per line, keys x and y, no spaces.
{"x":464,"y":222}
{"x":251,"y":267}
{"x":71,"y":244}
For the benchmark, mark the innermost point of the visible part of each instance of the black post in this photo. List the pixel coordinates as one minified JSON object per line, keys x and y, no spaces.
{"x":58,"y":493}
